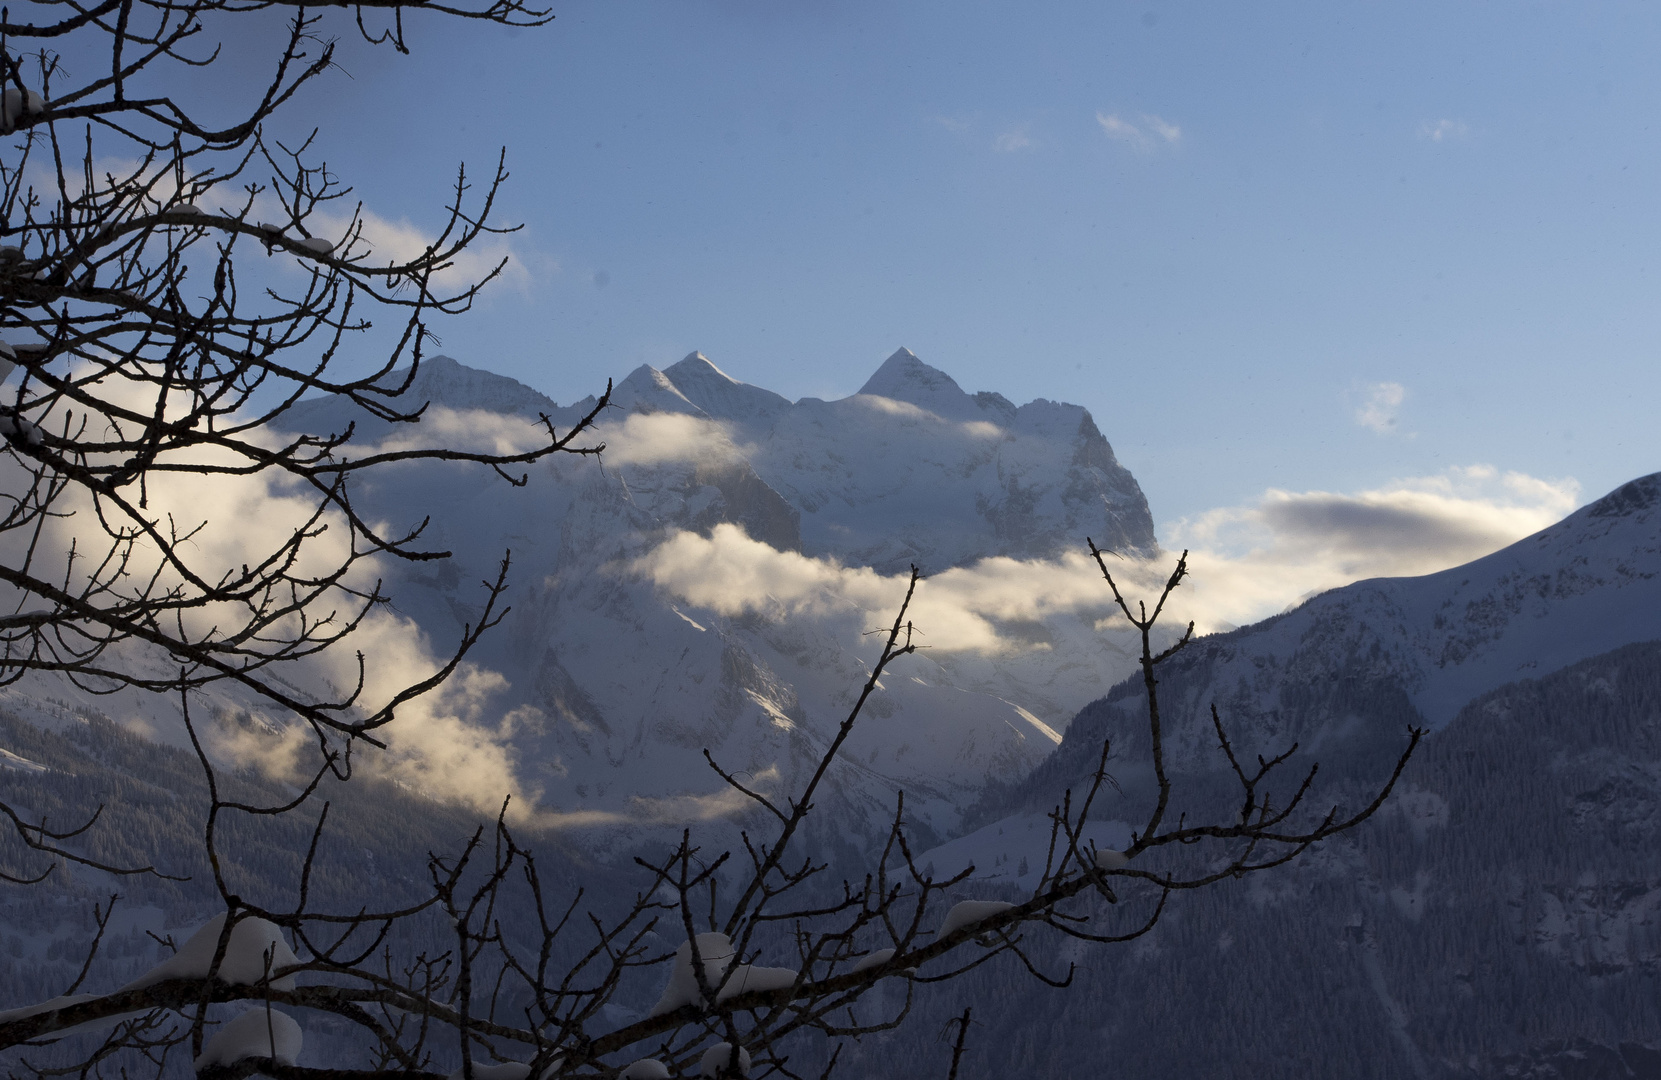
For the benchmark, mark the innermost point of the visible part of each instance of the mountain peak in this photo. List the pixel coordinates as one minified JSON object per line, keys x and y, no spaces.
{"x":903,"y":377}
{"x":696,"y":365}
{"x":720,"y":395}
{"x":446,"y":381}
{"x":1629,"y":498}
{"x":648,"y":390}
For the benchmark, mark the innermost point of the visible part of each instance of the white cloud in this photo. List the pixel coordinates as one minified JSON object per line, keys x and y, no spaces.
{"x":1378,"y":412}
{"x":381,"y":239}
{"x":475,"y":430}
{"x":1247,"y":562}
{"x":1119,"y":129}
{"x":958,"y":610}
{"x":401,"y":241}
{"x":655,"y":438}
{"x":1444,"y":130}
{"x":447,"y":744}
{"x":955,"y":123}
{"x":638,"y":439}
{"x":1251,"y":561}
{"x":1013,"y":140}
{"x":1149,"y":135}
{"x":1169,"y":132}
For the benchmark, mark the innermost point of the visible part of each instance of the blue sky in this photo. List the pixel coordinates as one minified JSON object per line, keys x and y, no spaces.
{"x":1295,"y":246}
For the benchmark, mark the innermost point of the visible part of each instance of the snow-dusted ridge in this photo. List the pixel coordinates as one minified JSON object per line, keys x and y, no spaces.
{"x":1354,"y":666}
{"x":1514,"y":870}
{"x":1577,"y":589}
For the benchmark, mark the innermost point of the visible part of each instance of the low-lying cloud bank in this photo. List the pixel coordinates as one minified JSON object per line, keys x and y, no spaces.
{"x":1247,"y":562}
{"x":961,"y":609}
{"x":1252,"y":561}
{"x":449,"y":743}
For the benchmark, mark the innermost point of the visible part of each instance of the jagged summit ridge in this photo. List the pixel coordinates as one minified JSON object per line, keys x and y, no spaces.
{"x":695,"y":367}
{"x":903,"y":373}
{"x":720,"y":395}
{"x":648,"y":390}
{"x":943,"y":481}
{"x":950,"y":479}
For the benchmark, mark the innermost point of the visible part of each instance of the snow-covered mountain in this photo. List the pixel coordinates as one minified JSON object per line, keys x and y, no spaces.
{"x":1499,"y":920}
{"x":615,"y":687}
{"x":913,"y":470}
{"x":1577,"y":589}
{"x":1501,"y":917}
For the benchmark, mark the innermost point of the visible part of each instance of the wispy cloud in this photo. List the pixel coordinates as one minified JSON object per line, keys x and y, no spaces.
{"x":1253,"y":560}
{"x":1444,"y":130}
{"x":379,"y":240}
{"x":1169,"y":132}
{"x":1379,"y":411}
{"x":1149,"y":132}
{"x":1013,"y":140}
{"x":401,"y":241}
{"x":637,"y":439}
{"x":1248,"y":561}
